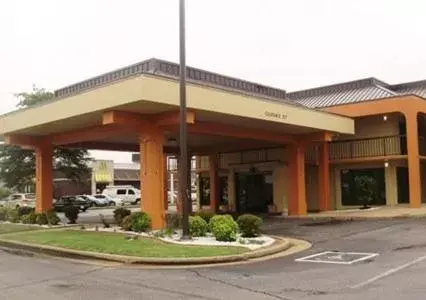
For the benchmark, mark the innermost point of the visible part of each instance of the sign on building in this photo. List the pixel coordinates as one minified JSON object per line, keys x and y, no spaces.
{"x":103,"y":171}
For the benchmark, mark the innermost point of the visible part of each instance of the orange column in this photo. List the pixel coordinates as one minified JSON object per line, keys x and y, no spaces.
{"x":214,"y":182}
{"x":413,"y":159}
{"x":324,"y":177}
{"x":297,"y":200}
{"x":44,"y":177}
{"x":152,"y":175}
{"x":166,"y":183}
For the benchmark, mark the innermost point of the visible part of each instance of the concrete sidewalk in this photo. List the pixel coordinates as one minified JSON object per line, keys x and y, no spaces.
{"x":382,"y":212}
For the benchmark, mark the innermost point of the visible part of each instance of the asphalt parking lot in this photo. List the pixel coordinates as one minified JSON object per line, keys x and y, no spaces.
{"x":397,"y":272}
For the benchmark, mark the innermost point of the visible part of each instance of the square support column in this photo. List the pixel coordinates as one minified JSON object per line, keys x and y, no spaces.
{"x":413,"y":159}
{"x":297,"y":201}
{"x":232,"y":193}
{"x":152,"y":176}
{"x":166,"y":182}
{"x":324,"y":177}
{"x":214,"y":183}
{"x":44,"y":177}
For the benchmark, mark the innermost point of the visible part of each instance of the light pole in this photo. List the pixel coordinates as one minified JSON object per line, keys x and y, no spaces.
{"x":183,"y":143}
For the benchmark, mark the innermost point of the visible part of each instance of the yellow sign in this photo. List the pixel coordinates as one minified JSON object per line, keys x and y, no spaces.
{"x":104,"y":171}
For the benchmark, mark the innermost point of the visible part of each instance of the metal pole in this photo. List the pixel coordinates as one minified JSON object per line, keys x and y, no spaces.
{"x":183,"y":169}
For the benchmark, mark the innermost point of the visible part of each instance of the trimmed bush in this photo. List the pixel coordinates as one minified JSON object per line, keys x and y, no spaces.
{"x":126,"y":223}
{"x":71,"y":212}
{"x":224,"y":228}
{"x":52,"y":218}
{"x":41,"y":219}
{"x":25,"y":210}
{"x":141,"y":222}
{"x":225,"y":232}
{"x":3,"y":213}
{"x":13,"y":215}
{"x":249,"y":225}
{"x":120,"y":213}
{"x":206,"y":215}
{"x":30,"y":218}
{"x":198,"y":226}
{"x":220,"y":218}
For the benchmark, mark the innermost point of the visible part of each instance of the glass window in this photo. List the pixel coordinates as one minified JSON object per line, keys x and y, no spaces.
{"x":131,"y":192}
{"x":121,"y":192}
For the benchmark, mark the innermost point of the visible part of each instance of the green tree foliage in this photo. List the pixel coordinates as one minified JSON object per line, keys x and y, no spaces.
{"x":17,"y":165}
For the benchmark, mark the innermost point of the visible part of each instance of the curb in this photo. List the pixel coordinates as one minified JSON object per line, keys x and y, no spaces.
{"x":357,"y":218}
{"x":280,"y":245}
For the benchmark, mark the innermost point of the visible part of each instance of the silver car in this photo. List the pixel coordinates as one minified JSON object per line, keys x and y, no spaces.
{"x":19,"y":200}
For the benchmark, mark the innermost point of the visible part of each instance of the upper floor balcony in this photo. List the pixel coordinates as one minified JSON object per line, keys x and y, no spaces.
{"x":383,"y":146}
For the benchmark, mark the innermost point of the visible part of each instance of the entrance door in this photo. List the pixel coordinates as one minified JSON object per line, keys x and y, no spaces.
{"x":403,"y":184}
{"x":253,"y":192}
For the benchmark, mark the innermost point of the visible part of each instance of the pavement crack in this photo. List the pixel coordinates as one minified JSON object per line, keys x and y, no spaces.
{"x":159,"y":289}
{"x":197,"y":273}
{"x":50,"y":279}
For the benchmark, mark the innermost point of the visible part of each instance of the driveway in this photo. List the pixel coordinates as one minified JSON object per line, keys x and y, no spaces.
{"x":397,"y":272}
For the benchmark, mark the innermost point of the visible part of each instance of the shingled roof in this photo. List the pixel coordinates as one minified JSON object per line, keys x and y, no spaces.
{"x":355,"y":91}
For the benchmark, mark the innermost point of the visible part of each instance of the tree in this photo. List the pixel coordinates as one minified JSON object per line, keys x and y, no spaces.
{"x":366,"y":187}
{"x":17,"y":165}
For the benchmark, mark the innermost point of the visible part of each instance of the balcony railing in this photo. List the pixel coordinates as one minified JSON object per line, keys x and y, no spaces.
{"x":369,"y":147}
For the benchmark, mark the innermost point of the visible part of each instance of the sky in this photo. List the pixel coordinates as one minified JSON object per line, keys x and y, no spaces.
{"x":286,"y":44}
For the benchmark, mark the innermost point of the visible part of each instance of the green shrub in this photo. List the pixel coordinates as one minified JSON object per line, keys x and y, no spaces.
{"x":141,"y":222}
{"x":71,"y":213}
{"x":198,"y":226}
{"x":224,"y":228}
{"x":220,"y":219}
{"x":13,"y":215}
{"x":52,"y":218}
{"x":25,"y":210}
{"x":249,"y":225}
{"x":120,"y":213}
{"x":41,"y":219}
{"x":126,"y":223}
{"x":3,"y":213}
{"x":30,"y":218}
{"x":206,"y":215}
{"x":225,"y":232}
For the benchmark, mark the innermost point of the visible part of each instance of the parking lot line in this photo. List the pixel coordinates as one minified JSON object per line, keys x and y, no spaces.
{"x":389,"y":272}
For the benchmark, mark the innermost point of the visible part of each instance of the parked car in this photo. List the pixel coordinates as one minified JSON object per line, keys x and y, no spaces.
{"x":111,"y":201}
{"x":19,"y":200}
{"x":94,"y":201}
{"x":76,"y":201}
{"x":127,"y":193}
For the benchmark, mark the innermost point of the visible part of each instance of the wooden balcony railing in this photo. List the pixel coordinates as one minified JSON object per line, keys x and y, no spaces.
{"x":369,"y":147}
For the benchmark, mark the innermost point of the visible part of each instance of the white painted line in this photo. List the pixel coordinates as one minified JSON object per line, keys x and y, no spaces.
{"x":389,"y":272}
{"x":326,"y":262}
{"x":313,"y":255}
{"x":364,"y":256}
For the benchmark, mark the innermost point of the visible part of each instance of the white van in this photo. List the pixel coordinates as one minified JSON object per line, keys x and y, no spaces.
{"x":127,"y":193}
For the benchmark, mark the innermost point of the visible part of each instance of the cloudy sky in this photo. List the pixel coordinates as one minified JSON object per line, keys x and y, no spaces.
{"x":290,"y":44}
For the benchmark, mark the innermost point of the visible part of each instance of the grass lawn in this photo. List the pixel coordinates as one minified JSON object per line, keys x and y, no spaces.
{"x":115,"y":243}
{"x":9,"y":228}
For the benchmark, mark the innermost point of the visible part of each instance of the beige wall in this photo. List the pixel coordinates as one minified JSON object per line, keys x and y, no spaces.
{"x":374,"y":126}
